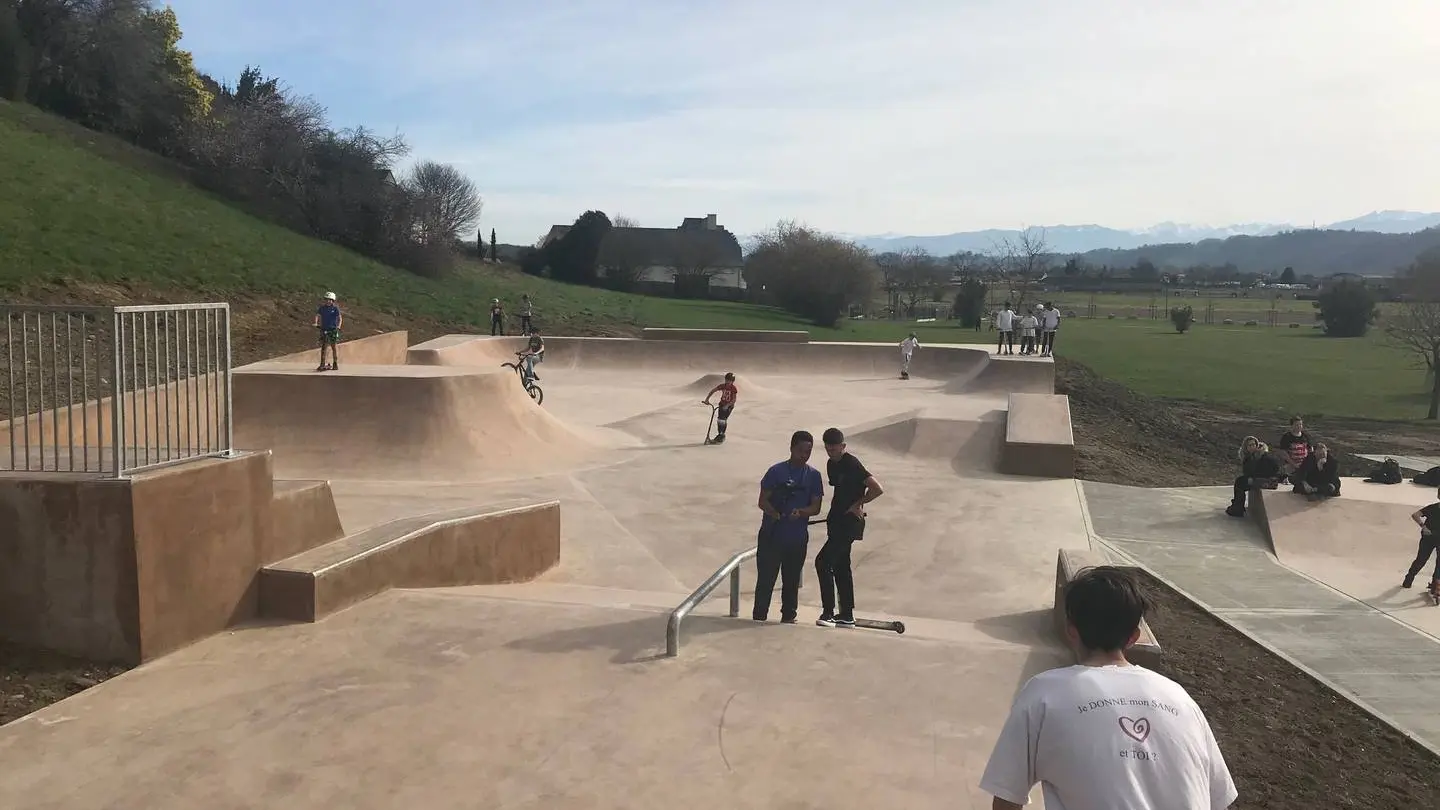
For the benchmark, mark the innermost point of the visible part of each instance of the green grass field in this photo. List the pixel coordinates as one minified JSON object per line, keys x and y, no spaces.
{"x":81,"y":207}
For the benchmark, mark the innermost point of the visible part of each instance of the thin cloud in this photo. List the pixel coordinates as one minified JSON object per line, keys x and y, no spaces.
{"x":855,"y":116}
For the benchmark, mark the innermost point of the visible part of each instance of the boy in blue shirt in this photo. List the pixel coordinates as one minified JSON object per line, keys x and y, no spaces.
{"x":790,"y":494}
{"x":328,"y":320}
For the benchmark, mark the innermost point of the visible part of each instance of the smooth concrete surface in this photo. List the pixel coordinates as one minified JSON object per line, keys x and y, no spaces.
{"x":413,"y":422}
{"x":386,"y":348}
{"x":1379,"y":658}
{"x":302,"y":516}
{"x":1146,"y":650}
{"x":1360,"y":544}
{"x":129,"y":570}
{"x":472,"y":547}
{"x":438,"y":700}
{"x":727,"y":335}
{"x":67,"y":566}
{"x":1038,"y":436}
{"x":548,"y":696}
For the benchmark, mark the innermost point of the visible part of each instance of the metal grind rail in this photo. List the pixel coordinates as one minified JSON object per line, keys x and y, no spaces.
{"x":115,"y":390}
{"x":732,"y":569}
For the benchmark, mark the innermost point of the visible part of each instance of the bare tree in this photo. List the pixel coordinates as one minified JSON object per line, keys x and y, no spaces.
{"x":919,"y":277}
{"x":446,"y":202}
{"x":622,"y":221}
{"x":1020,"y":264}
{"x":811,"y":274}
{"x":1414,"y":324}
{"x":695,"y":261}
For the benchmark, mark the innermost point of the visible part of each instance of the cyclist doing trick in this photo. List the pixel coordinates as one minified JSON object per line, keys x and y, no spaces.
{"x":534,"y":353}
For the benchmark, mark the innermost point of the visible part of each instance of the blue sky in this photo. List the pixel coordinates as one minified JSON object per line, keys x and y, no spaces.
{"x":921,"y":116}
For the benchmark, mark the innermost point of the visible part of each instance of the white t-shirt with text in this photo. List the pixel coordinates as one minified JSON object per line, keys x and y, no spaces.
{"x":1050,"y":319}
{"x":1005,"y":320}
{"x":1108,"y":738}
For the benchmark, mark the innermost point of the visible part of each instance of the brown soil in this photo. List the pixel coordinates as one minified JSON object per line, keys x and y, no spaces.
{"x":1289,"y":741}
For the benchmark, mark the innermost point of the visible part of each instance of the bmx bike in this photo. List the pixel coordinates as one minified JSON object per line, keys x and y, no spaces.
{"x":531,"y":387}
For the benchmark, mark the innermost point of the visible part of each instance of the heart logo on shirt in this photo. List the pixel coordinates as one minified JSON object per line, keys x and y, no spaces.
{"x":1136,"y":730}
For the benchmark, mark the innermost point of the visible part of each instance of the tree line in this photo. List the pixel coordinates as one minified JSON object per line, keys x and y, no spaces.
{"x":115,"y":66}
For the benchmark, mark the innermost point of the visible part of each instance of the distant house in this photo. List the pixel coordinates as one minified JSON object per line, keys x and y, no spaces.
{"x":698,"y":259}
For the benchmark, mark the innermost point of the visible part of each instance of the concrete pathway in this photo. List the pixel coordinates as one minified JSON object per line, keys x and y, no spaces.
{"x":1184,"y":537}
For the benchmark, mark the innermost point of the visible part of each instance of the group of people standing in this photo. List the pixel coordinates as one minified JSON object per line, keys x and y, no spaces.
{"x":497,"y":316}
{"x":1044,"y":320}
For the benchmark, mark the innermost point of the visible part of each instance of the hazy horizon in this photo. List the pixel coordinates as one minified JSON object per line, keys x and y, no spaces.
{"x":952,"y":116}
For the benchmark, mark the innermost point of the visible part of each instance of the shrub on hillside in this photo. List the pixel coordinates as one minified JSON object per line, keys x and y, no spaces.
{"x":1347,"y":309}
{"x":970,"y":302}
{"x":1182,"y":317}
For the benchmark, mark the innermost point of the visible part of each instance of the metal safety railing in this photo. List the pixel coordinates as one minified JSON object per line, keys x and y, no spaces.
{"x":732,"y":569}
{"x":114,"y":390}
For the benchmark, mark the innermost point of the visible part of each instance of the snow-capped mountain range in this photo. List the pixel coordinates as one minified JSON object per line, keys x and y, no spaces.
{"x":1083,"y":238}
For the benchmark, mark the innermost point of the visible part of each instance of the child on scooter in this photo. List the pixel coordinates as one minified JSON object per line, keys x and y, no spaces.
{"x":728,"y":395}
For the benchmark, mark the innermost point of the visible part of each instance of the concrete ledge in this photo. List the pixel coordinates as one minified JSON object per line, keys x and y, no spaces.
{"x":730,"y":335}
{"x":465,"y":547}
{"x":302,"y":516}
{"x":1038,"y":437}
{"x":384,"y":349}
{"x":1146,"y":652}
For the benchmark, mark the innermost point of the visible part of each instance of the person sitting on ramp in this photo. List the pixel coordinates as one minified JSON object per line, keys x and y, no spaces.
{"x":728,"y":394}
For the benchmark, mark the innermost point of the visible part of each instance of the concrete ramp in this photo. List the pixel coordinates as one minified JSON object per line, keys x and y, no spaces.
{"x":706,"y":383}
{"x":709,"y":356}
{"x":1008,"y":375}
{"x":417,"y":423}
{"x":969,"y":444}
{"x":1359,"y":543}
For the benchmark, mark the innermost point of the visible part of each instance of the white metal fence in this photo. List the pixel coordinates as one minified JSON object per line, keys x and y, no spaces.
{"x":114,"y":390}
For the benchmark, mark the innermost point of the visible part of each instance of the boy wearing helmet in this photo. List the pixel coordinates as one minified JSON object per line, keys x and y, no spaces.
{"x":329,"y":319}
{"x":497,"y":318}
{"x":728,"y":394}
{"x":907,"y":350}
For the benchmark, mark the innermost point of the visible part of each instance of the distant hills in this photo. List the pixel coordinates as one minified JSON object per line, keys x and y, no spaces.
{"x":1071,"y":239}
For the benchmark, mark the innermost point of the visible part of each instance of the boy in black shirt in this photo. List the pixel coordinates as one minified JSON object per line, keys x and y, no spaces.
{"x":1297,"y":445}
{"x":1429,"y":543}
{"x":853,"y":487}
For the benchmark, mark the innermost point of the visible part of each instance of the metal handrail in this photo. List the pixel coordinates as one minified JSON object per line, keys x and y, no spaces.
{"x":732,"y":568}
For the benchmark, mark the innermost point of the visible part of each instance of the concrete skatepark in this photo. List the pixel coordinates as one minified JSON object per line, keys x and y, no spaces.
{"x":457,"y":597}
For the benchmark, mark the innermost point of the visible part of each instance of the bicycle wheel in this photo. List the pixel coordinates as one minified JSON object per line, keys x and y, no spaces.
{"x":536,"y":393}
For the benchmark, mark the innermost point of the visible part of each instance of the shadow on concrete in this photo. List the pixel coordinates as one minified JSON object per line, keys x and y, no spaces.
{"x":1033,"y":627}
{"x":635,"y":641}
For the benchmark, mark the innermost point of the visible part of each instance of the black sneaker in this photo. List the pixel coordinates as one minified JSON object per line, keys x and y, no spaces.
{"x":1408,"y":583}
{"x":787,"y":619}
{"x":844,"y":621}
{"x":825,"y":620}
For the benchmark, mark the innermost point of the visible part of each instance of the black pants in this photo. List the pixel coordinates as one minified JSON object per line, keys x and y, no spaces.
{"x":497,"y":327}
{"x":832,"y":564}
{"x":722,"y":418}
{"x":787,"y":559}
{"x":1007,"y":340}
{"x":1027,"y":344}
{"x":525,"y":325}
{"x":1047,"y":342}
{"x":1429,"y":544}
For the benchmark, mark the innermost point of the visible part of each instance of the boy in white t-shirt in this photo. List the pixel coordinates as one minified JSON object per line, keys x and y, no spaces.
{"x":1005,"y":322}
{"x":1028,"y":324}
{"x":907,"y":349}
{"x":1105,"y":733}
{"x":1049,"y":322}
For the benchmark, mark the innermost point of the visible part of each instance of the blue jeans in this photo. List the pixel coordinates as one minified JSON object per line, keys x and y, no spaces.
{"x":530,"y":361}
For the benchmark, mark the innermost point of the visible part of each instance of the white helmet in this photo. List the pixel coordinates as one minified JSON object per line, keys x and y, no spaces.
{"x":329,"y":296}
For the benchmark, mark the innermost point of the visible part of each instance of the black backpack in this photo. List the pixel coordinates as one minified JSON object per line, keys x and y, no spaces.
{"x":1429,"y":478}
{"x":1388,"y":472}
